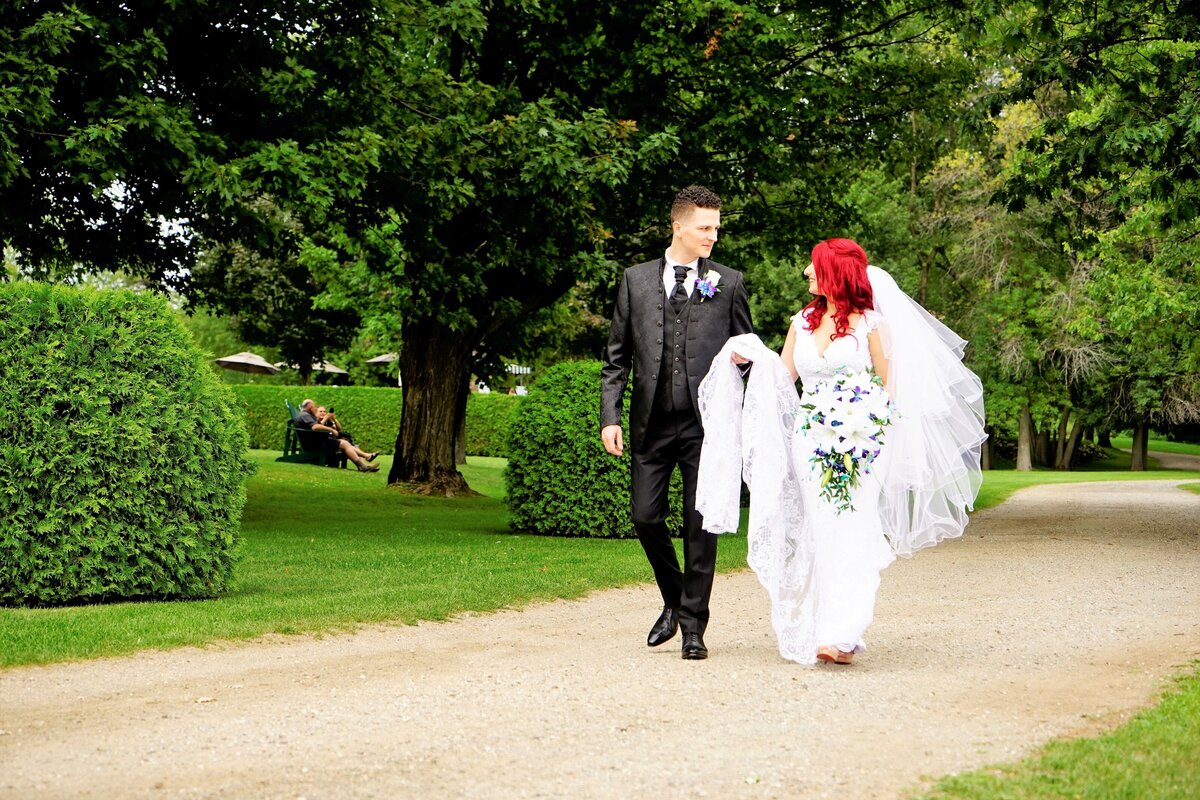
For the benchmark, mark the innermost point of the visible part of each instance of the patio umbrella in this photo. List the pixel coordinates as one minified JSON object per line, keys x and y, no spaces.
{"x":386,"y":358}
{"x":248,"y":362}
{"x":325,"y":366}
{"x":318,"y":366}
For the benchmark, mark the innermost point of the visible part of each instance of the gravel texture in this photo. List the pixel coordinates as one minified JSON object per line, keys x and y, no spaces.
{"x":1058,"y":614}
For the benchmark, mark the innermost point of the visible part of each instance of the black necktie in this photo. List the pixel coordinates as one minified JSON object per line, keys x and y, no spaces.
{"x":679,"y":296}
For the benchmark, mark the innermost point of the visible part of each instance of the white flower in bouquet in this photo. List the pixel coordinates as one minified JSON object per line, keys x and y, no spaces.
{"x":826,"y":437}
{"x":855,"y":417}
{"x":860,"y":436}
{"x":847,"y":416}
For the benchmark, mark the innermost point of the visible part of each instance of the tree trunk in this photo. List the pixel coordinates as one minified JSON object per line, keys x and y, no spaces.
{"x":1025,"y":435}
{"x":1072,"y":445}
{"x":985,"y":452}
{"x":1141,"y":441}
{"x":435,"y":364}
{"x":912,"y":178}
{"x":1104,"y":438}
{"x":460,"y":433}
{"x":923,"y":289}
{"x":1041,"y":447}
{"x":1060,"y":445}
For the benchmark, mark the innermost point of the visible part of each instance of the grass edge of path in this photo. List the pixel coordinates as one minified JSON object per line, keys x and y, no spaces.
{"x":1154,"y":755}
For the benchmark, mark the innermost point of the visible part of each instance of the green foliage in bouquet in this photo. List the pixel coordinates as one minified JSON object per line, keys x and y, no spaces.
{"x":559,"y":480}
{"x":123,"y":460}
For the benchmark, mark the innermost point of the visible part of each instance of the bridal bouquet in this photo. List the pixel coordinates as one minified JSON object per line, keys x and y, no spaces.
{"x":847,"y":417}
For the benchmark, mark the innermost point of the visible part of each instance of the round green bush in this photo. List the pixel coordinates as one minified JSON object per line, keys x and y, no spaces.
{"x":559,"y":479}
{"x":123,"y":459}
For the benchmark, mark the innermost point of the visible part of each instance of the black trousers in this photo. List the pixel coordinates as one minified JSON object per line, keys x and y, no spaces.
{"x":674,"y":438}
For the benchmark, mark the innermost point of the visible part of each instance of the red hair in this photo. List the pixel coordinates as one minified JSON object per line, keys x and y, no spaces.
{"x":841,"y":268}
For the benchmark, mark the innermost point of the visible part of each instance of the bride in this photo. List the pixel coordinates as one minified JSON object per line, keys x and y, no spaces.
{"x":879,"y":457}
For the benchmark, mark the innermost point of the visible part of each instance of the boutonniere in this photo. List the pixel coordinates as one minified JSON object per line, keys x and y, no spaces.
{"x":709,"y":285}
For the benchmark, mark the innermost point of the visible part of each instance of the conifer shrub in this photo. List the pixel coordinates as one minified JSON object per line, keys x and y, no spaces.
{"x":559,"y":479}
{"x":123,"y":459}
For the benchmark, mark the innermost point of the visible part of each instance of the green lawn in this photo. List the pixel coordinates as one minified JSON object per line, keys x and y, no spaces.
{"x":1161,"y":445}
{"x":999,"y":485}
{"x":327,"y":549}
{"x":1155,"y":756}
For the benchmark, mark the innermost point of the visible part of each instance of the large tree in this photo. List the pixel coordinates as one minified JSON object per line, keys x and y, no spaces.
{"x":453,"y":168}
{"x":550,"y":156}
{"x":139,"y":135}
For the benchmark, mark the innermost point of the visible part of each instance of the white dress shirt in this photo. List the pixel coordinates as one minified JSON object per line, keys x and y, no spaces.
{"x":689,"y":282}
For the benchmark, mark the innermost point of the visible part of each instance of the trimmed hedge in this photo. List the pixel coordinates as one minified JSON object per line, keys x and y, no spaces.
{"x":123,"y":463}
{"x":489,"y":423}
{"x":559,"y":480}
{"x":370,"y":414}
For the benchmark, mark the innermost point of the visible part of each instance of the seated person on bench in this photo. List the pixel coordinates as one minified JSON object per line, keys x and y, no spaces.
{"x":330,"y":420}
{"x":307,"y":420}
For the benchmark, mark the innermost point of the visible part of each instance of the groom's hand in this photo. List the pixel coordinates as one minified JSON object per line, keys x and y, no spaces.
{"x":613,"y":443}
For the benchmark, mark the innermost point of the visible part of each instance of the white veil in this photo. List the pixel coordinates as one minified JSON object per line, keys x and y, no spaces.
{"x":929,"y":470}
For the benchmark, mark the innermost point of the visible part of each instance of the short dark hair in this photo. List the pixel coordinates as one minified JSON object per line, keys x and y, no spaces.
{"x":693,"y":196}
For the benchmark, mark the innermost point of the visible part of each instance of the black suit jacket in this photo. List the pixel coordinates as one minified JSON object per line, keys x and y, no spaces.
{"x":635,"y":340}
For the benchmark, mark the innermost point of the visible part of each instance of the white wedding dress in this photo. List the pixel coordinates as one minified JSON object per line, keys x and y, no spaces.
{"x":821,"y":569}
{"x":849,"y":548}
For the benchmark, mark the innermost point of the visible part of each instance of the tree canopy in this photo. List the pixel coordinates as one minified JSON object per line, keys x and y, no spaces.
{"x":453,"y":178}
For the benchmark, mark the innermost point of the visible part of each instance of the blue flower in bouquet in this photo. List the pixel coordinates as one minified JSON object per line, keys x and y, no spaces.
{"x":847,"y":418}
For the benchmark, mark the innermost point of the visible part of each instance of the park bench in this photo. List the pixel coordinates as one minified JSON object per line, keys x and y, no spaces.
{"x":309,"y":447}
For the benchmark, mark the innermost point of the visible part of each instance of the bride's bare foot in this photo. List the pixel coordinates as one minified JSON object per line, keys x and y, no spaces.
{"x":833,"y":655}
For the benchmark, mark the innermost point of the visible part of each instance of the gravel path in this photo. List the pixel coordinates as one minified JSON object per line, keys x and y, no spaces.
{"x":1175,"y":460}
{"x":1059,"y":613}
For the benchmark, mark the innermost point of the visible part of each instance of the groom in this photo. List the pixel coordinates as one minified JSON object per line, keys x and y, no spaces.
{"x":673,"y":315}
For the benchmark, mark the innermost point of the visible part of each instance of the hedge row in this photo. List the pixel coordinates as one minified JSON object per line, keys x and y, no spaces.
{"x":370,"y":414}
{"x":123,"y":462}
{"x":559,"y":480}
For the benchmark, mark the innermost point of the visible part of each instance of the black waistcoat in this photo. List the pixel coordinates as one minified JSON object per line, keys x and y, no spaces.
{"x":672,"y":392}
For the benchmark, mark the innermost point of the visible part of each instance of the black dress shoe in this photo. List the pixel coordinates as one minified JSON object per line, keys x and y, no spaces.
{"x":693,"y":647}
{"x":664,"y":628}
